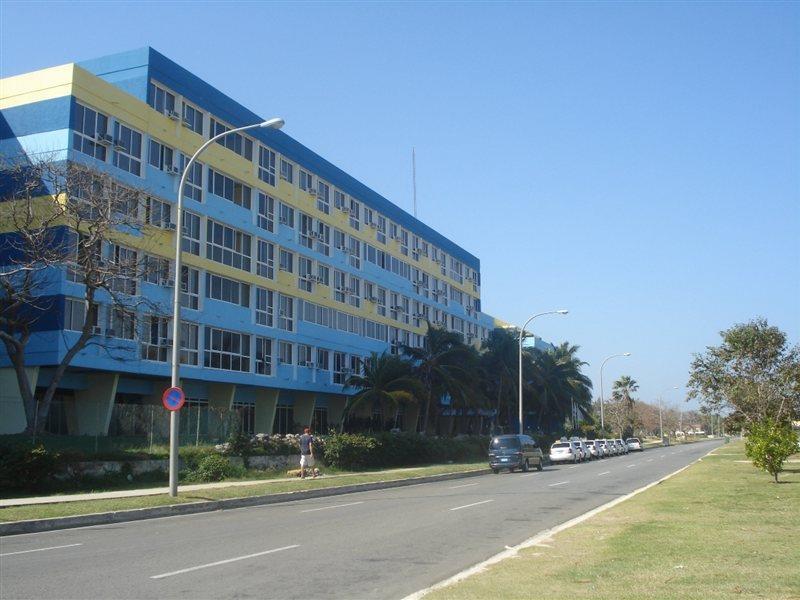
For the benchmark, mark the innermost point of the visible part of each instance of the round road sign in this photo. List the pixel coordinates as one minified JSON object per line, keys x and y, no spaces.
{"x":173,"y":398}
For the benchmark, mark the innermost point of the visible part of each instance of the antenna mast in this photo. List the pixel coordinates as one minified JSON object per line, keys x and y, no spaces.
{"x":414,"y":177}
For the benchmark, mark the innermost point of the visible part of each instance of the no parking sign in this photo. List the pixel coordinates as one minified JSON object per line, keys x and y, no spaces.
{"x":173,"y":398}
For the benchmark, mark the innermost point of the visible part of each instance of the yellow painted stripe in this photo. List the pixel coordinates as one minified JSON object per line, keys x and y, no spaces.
{"x":37,"y":86}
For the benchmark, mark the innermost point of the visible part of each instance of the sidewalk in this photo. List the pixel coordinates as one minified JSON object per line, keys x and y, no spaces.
{"x":5,"y":503}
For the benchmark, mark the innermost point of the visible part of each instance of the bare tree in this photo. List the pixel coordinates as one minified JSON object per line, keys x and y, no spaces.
{"x":66,"y":220}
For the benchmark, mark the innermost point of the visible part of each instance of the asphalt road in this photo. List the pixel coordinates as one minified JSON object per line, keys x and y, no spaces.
{"x":379,"y":544}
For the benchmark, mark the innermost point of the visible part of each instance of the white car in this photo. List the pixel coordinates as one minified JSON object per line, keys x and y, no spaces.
{"x":610,"y":447}
{"x":596,"y":449}
{"x":579,"y":451}
{"x":623,"y":446}
{"x":634,"y":444}
{"x":563,"y":452}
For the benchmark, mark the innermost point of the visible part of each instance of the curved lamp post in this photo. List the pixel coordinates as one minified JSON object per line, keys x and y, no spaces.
{"x":602,"y":414}
{"x":522,"y":337}
{"x":276,"y":123}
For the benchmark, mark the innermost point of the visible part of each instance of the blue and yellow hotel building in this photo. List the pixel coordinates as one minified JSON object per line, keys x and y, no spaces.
{"x":294,"y":271}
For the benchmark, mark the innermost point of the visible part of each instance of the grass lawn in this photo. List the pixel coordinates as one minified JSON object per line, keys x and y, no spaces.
{"x":66,"y":509}
{"x":718,"y":530}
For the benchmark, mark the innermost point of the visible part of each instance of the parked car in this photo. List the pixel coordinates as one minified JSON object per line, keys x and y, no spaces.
{"x":610,"y":448}
{"x":596,"y":448}
{"x":563,"y":452}
{"x":634,"y":444}
{"x":586,"y":451}
{"x":576,"y":448}
{"x":623,"y":446}
{"x":514,"y":452}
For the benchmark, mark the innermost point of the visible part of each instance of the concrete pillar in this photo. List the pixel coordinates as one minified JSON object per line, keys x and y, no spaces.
{"x":411,"y":416}
{"x":220,"y":395}
{"x":94,"y":404}
{"x":266,"y":405}
{"x":12,"y":409}
{"x":304,"y":408}
{"x":336,"y":406}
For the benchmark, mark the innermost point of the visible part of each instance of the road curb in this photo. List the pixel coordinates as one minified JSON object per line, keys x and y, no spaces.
{"x":139,"y":514}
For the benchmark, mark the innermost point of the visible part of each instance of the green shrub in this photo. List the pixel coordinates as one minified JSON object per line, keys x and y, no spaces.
{"x":27,"y":468}
{"x":769,"y":444}
{"x":213,"y":467}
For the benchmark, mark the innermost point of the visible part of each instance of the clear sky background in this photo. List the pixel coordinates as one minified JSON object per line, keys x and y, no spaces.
{"x":636,"y":163}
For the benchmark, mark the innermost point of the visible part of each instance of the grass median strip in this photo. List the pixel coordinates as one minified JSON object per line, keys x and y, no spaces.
{"x":69,"y":509}
{"x":718,"y":530}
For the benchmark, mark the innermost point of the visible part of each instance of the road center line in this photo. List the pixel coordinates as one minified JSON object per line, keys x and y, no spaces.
{"x":629,"y":466}
{"x":662,"y":456}
{"x":649,"y":460}
{"x":573,"y":467}
{"x":39,"y":549}
{"x":555,"y":484}
{"x":333,"y":506}
{"x":463,"y":485}
{"x":473,"y":504}
{"x":223,"y":562}
{"x":603,"y":473}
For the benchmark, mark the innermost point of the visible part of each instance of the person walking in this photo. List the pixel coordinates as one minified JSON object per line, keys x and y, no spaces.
{"x":307,"y":453}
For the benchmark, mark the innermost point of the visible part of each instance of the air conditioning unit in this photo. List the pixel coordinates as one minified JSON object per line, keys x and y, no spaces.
{"x":171,"y":226}
{"x":419,"y":315}
{"x":103,"y":138}
{"x":283,"y":220}
{"x":186,"y":123}
{"x":118,"y":145}
{"x":184,"y":287}
{"x":172,"y":170}
{"x":415,"y":254}
{"x":373,"y":225}
{"x":282,"y":313}
{"x":111,"y":333}
{"x":373,"y":299}
{"x":171,"y":114}
{"x":97,"y":330}
{"x":165,"y":341}
{"x":311,"y":190}
{"x":397,"y":308}
{"x":344,"y":208}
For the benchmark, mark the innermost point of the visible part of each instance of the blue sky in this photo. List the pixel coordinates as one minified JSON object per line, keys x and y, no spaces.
{"x":636,"y":163}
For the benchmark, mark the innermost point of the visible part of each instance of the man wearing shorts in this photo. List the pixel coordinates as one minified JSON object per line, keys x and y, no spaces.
{"x":307,"y":453}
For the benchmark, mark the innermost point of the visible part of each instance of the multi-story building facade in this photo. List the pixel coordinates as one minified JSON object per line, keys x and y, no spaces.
{"x":293,"y":270}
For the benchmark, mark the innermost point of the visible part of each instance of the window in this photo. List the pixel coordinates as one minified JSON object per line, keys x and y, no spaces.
{"x":323,"y":359}
{"x":286,"y":261}
{"x":226,"y":350}
{"x":265,"y":260}
{"x":193,"y":186}
{"x":238,"y":143}
{"x":266,"y":212}
{"x":285,"y":353}
{"x":286,"y":313}
{"x":323,"y":239}
{"x":121,"y":324}
{"x":189,"y":343}
{"x":263,"y":356}
{"x":340,"y":201}
{"x":340,"y":370}
{"x":265,"y":307}
{"x":190,"y":242}
{"x":190,"y":287}
{"x":354,"y":291}
{"x":157,"y":213}
{"x":75,"y":314}
{"x":125,"y":269}
{"x":323,"y":274}
{"x":90,"y":132}
{"x":227,"y":245}
{"x":192,"y":118}
{"x":227,"y":290}
{"x":127,"y":149}
{"x":355,"y":209}
{"x":306,"y":181}
{"x":286,"y":215}
{"x":376,"y":331}
{"x":160,"y":99}
{"x":456,"y":270}
{"x":381,"y":308}
{"x":266,"y":165}
{"x":287,"y":171}
{"x":456,"y":295}
{"x":305,"y":271}
{"x":157,"y":271}
{"x":339,"y":239}
{"x":230,"y":189}
{"x":380,"y":234}
{"x":339,"y":286}
{"x":323,"y":197}
{"x":355,"y":253}
{"x":160,"y":156}
{"x":319,"y":315}
{"x":306,"y":230}
{"x":404,"y":242}
{"x":305,"y":355}
{"x":156,"y":343}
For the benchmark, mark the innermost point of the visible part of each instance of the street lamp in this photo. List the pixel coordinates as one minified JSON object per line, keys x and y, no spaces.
{"x":602,"y":414}
{"x":660,"y":420}
{"x":276,"y":123}
{"x":522,"y":337}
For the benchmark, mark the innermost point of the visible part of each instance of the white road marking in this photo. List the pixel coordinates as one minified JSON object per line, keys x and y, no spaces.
{"x":559,"y":483}
{"x":333,"y":506}
{"x":603,"y":473}
{"x":223,"y":562}
{"x":463,"y":485}
{"x":629,"y":466}
{"x":573,"y":467}
{"x":662,"y":456}
{"x":473,"y":504}
{"x":39,"y":549}
{"x":649,"y":460}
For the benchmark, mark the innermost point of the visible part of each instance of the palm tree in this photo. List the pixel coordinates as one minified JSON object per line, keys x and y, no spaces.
{"x":558,"y":381}
{"x":385,"y":379}
{"x":622,"y":392}
{"x":499,"y":370}
{"x":445,"y":365}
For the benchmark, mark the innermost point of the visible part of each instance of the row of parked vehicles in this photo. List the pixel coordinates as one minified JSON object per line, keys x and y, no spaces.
{"x":577,"y":450}
{"x":521,"y":452}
